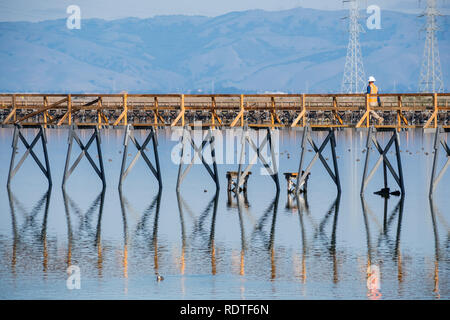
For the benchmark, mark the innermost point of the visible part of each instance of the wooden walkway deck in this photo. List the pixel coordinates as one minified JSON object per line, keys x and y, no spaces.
{"x":412,"y":110}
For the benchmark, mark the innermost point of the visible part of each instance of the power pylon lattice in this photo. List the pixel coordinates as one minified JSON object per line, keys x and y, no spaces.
{"x":353,"y":80}
{"x":431,"y":80}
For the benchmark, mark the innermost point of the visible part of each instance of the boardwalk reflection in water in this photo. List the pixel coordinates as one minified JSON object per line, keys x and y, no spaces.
{"x":383,"y":237}
{"x":208,"y":244}
{"x":144,"y":234}
{"x":29,"y":228}
{"x":88,"y":230}
{"x":440,"y":252}
{"x":319,"y":233}
{"x":199,"y":229}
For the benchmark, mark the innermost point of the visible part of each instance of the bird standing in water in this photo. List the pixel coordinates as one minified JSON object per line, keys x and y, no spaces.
{"x":159,"y":277}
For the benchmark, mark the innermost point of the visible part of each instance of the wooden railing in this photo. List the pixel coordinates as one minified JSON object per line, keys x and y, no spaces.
{"x":409,"y":110}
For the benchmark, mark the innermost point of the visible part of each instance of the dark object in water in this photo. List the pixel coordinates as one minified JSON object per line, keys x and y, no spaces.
{"x":385,"y":193}
{"x":159,"y":277}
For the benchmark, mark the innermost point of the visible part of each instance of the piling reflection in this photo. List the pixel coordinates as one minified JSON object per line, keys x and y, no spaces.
{"x":242,"y":196}
{"x":141,"y":231}
{"x":384,"y":237}
{"x":241,"y":204}
{"x":439,"y":254}
{"x":30,"y":227}
{"x":87,"y":226}
{"x":199,"y":229}
{"x":268,"y":240}
{"x":299,"y":200}
{"x":319,"y":232}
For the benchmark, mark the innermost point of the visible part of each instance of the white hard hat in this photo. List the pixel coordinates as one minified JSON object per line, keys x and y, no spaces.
{"x":372,"y":79}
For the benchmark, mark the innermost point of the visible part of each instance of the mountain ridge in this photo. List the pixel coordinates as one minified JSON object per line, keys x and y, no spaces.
{"x":295,"y":50}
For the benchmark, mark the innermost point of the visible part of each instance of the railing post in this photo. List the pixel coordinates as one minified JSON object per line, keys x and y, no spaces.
{"x":435,"y":107}
{"x":399,"y":112}
{"x":182,"y":110}
{"x":213,"y":106}
{"x":155,"y":112}
{"x":242,"y":110}
{"x":45,"y":112}
{"x":14,"y":107}
{"x":125,"y":109}
{"x":99,"y":112}
{"x":367,"y":111}
{"x":272,"y":113}
{"x":303,"y":108}
{"x":335,"y":108}
{"x":69,"y":108}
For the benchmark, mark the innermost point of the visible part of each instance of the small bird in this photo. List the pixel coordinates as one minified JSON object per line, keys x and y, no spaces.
{"x":159,"y":277}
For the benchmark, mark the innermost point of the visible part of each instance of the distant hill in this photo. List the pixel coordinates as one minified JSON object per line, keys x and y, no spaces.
{"x":297,"y":50}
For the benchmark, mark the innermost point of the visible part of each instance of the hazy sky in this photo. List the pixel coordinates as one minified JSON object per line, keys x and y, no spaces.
{"x":37,"y":10}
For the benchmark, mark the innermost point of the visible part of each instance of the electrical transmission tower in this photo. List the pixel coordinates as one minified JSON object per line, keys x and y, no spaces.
{"x":430,"y":73}
{"x":353,"y":80}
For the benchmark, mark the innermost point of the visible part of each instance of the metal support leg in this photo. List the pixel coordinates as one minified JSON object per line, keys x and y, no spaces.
{"x":303,"y":174}
{"x":187,"y":140}
{"x":366,"y":163}
{"x":396,"y":174}
{"x":84,"y":152}
{"x":438,"y":139}
{"x":13,"y":155}
{"x":335,"y":165}
{"x":129,"y":136}
{"x":399,"y":162}
{"x":29,"y":151}
{"x":242,"y":175}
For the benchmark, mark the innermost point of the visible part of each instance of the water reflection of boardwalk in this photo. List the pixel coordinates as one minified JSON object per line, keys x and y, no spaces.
{"x":393,"y":246}
{"x":89,"y":230}
{"x":317,"y":247}
{"x":198,"y":229}
{"x":141,"y":233}
{"x":319,"y":232}
{"x":29,"y":228}
{"x":441,"y":250}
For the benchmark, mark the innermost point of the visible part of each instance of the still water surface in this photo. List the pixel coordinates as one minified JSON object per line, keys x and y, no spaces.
{"x":207,"y":247}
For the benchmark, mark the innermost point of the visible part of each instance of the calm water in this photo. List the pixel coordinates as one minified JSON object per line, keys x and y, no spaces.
{"x":207,"y":248}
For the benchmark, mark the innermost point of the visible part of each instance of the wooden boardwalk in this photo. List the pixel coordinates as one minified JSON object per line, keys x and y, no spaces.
{"x":413,"y":110}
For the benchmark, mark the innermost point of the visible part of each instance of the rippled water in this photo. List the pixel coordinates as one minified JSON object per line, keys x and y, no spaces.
{"x":208,"y":248}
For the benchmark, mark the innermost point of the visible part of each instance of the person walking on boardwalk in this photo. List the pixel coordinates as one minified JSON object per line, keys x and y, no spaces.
{"x":372,"y":91}
{"x":374,"y":99}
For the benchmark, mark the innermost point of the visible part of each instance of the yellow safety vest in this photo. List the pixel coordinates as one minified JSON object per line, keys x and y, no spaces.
{"x":374,"y":92}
